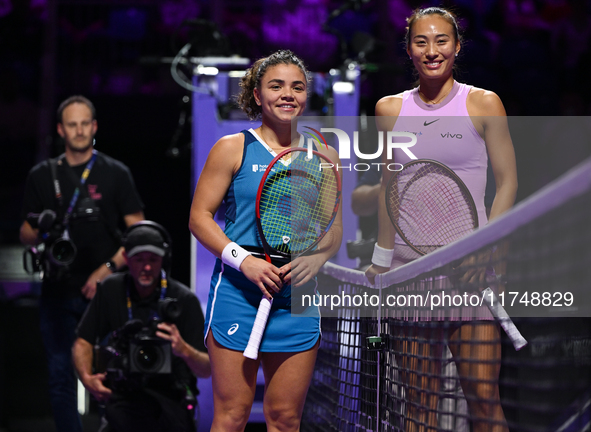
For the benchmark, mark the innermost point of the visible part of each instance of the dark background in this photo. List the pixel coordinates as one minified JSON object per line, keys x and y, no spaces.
{"x":534,"y":54}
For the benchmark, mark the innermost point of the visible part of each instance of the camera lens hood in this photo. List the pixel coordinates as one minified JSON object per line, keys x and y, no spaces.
{"x":62,"y":252}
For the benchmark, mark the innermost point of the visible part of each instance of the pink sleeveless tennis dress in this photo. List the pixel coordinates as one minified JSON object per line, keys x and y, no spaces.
{"x":445,"y":133}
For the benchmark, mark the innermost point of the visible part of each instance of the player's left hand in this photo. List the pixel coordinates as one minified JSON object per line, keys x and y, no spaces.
{"x":372,"y":271}
{"x":473,"y":269}
{"x":301,"y":270}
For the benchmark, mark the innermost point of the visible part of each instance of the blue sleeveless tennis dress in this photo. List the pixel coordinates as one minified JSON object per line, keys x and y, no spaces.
{"x":234,"y":300}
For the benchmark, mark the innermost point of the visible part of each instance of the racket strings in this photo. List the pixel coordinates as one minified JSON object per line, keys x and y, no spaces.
{"x":297,"y":204}
{"x":275,"y":210}
{"x":430,"y":208}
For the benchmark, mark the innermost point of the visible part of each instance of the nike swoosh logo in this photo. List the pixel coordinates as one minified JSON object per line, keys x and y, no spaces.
{"x":427,"y":124}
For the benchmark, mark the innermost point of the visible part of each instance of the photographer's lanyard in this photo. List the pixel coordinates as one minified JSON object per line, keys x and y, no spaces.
{"x":163,"y":286}
{"x":83,"y":178}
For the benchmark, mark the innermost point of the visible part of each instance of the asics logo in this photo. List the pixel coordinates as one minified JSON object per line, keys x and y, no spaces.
{"x":234,"y":253}
{"x":233,"y":329}
{"x":431,"y":122}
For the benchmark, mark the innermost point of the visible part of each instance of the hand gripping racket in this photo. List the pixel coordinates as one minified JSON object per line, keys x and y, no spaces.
{"x":297,"y":202}
{"x":430,"y":206}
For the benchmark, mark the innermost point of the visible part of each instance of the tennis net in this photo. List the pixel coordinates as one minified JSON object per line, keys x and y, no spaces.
{"x":401,"y":356}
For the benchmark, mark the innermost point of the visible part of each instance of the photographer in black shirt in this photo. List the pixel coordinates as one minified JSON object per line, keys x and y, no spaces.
{"x":152,"y":326}
{"x":74,"y":206}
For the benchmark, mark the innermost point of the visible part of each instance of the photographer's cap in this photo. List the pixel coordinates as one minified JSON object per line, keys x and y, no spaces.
{"x":145,"y":239}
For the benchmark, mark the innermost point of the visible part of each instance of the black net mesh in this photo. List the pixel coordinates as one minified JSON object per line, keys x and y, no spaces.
{"x":431,"y":362}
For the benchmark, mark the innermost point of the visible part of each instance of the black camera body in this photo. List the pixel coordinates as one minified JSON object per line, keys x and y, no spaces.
{"x":134,"y":353}
{"x":58,"y":251}
{"x":149,"y":354}
{"x":362,"y":249}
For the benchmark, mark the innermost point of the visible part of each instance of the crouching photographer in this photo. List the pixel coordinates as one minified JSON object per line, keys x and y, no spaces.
{"x":153,"y":329}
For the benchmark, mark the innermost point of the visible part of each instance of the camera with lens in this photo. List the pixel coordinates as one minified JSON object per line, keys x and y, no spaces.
{"x":134,"y":352}
{"x":57,"y":251}
{"x":362,"y":249}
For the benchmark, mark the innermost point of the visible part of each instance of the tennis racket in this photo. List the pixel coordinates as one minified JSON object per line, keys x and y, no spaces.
{"x":297,"y":202}
{"x":430,"y":206}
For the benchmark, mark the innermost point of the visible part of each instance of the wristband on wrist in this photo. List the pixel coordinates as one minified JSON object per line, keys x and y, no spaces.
{"x":233,"y":255}
{"x":382,"y":257}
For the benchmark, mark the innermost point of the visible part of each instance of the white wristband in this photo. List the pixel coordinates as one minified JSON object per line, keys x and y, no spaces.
{"x":382,"y":257}
{"x":233,"y":255}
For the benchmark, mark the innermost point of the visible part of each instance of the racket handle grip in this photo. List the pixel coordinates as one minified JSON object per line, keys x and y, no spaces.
{"x":502,"y":317}
{"x":258,"y":328}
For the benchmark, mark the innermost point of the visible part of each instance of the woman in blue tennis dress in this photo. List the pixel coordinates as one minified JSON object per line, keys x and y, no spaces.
{"x":275,"y":90}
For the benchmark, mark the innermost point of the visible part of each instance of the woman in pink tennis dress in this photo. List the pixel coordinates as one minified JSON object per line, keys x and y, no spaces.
{"x":462,"y":127}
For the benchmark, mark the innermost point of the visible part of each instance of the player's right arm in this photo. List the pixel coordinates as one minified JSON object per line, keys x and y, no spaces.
{"x":223,"y":162}
{"x":387,"y":111}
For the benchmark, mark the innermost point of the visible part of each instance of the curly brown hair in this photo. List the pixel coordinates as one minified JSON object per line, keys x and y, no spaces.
{"x":252,"y":79}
